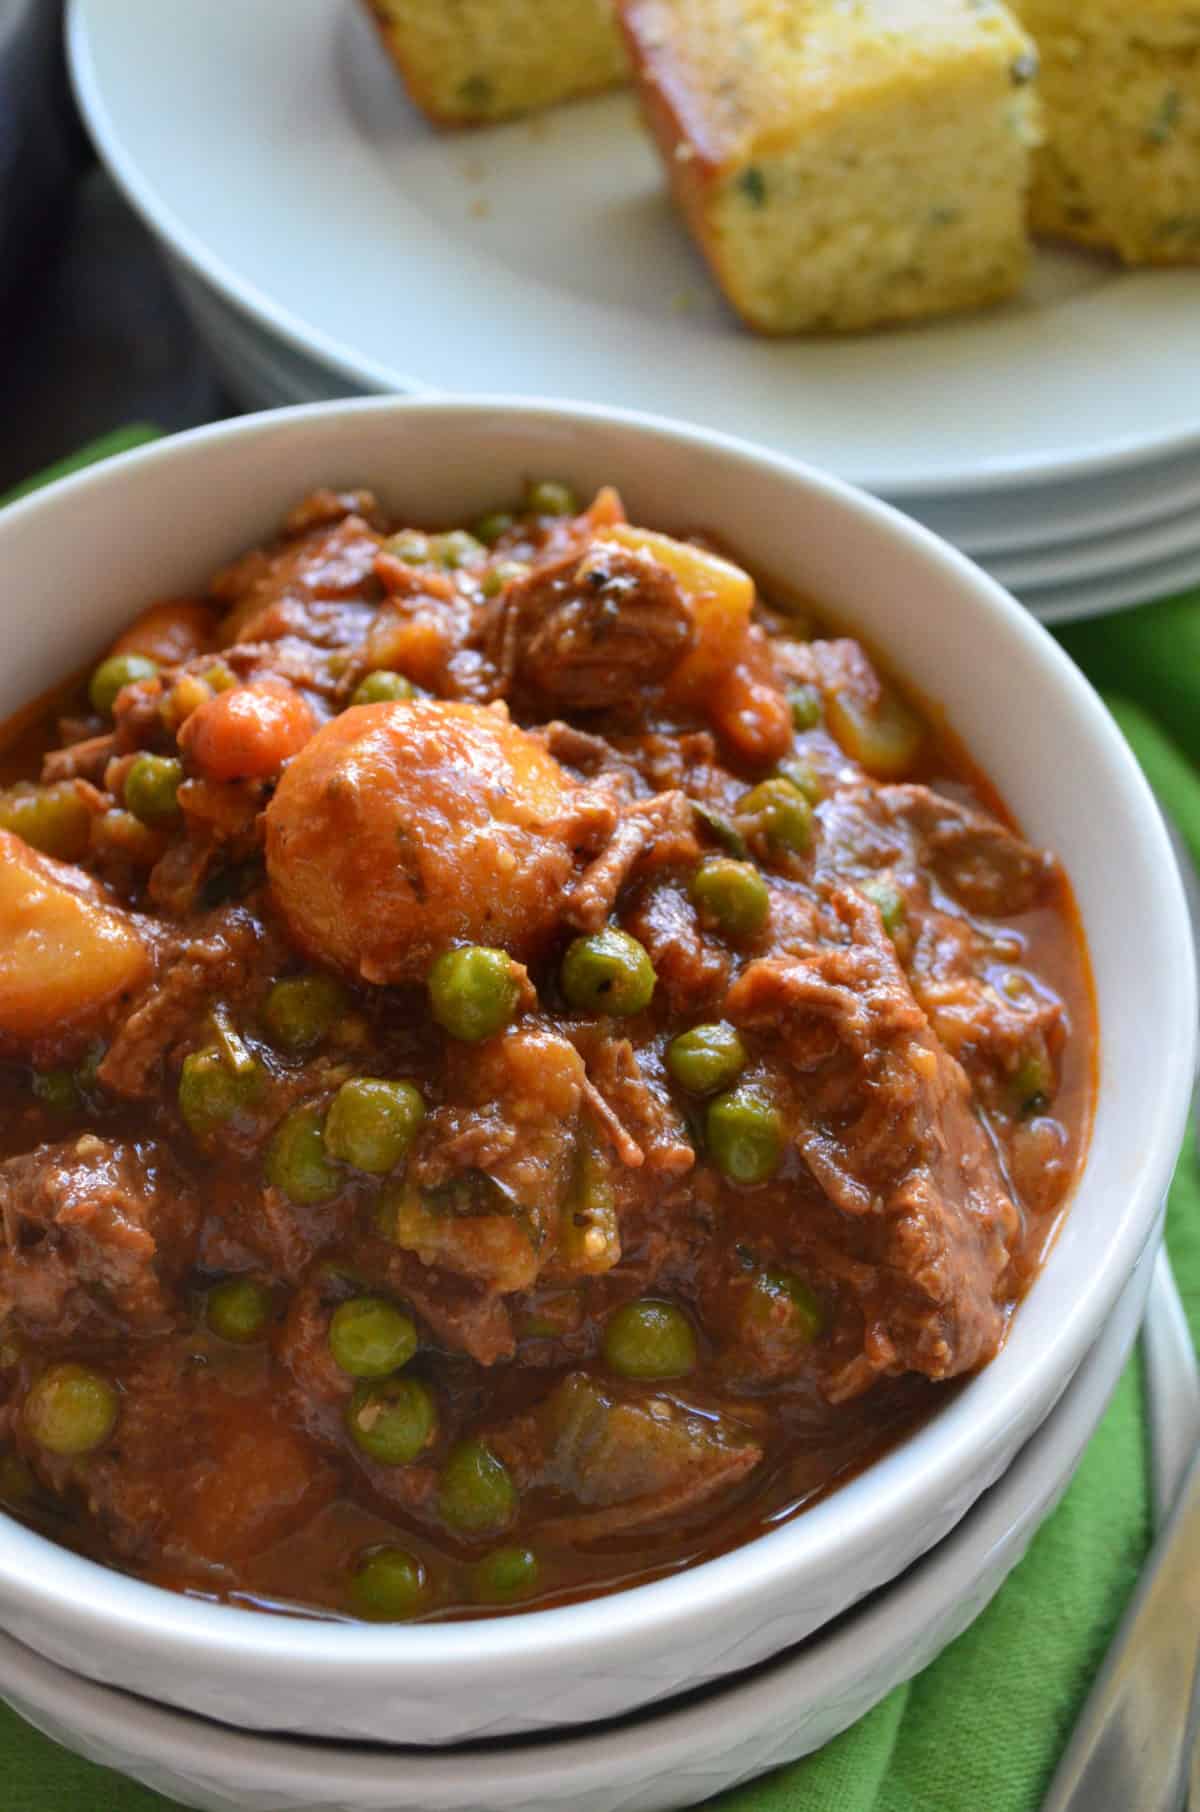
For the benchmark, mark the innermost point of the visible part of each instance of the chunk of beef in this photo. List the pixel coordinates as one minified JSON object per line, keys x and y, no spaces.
{"x":86,"y":760}
{"x":591,"y":629}
{"x":196,"y":1478}
{"x":884,"y":1120}
{"x":308,"y":587}
{"x":978,"y":860}
{"x":215,"y":957}
{"x":631,"y":1462}
{"x":692,"y":971}
{"x":982,"y":864}
{"x":94,"y":1232}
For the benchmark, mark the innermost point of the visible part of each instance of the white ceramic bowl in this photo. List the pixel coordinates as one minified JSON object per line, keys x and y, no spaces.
{"x":76,"y":561}
{"x":674,"y":1756}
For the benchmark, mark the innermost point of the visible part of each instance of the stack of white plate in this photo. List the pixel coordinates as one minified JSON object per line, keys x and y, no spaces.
{"x":328,"y":241}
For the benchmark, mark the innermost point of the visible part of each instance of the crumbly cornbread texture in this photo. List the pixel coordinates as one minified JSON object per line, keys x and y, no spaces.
{"x":844,"y":163}
{"x":469,"y":61}
{"x":1121,"y":92}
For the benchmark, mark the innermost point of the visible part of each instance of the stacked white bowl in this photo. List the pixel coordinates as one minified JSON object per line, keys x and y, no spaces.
{"x":911,"y":1549}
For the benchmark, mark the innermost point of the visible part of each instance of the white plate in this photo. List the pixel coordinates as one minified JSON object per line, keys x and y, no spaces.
{"x":1103,"y":557}
{"x":285,"y":166}
{"x":1051,"y":516}
{"x":1096,"y":597}
{"x":672,"y":1758}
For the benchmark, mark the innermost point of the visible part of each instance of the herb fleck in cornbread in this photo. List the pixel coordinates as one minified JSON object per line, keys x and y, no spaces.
{"x":1121,"y":88}
{"x":469,"y":61}
{"x":844,"y":162}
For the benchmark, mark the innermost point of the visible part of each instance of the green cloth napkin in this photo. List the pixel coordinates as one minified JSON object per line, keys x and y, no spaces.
{"x":981,"y":1729}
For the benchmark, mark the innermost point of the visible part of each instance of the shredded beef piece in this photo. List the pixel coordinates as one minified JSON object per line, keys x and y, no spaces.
{"x":215,"y":957}
{"x":593,"y":629}
{"x":692,"y":970}
{"x":323,"y":508}
{"x":579,"y":749}
{"x":94,"y":1232}
{"x":884,"y":1120}
{"x":641,"y":1107}
{"x":80,"y":760}
{"x":658,"y":830}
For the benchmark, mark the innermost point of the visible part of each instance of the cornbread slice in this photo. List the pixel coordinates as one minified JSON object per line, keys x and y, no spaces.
{"x":1121,"y":162}
{"x":844,"y":163}
{"x":469,"y":61}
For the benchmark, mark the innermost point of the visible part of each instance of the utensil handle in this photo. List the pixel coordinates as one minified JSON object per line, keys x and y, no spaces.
{"x":1132,"y":1745}
{"x":1172,"y":1390}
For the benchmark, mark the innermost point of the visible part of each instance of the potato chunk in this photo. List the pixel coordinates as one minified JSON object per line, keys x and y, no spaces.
{"x":402,"y":829}
{"x":65,"y":950}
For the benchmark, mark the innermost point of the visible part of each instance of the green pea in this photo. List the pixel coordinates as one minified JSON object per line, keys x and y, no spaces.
{"x":113,"y":675}
{"x":57,"y":1090}
{"x":505,"y":1574}
{"x":409,"y":545}
{"x":650,"y":1340}
{"x":152,"y":789}
{"x":731,"y":897}
{"x":547,"y":497}
{"x":455,"y":549}
{"x":890,"y":901}
{"x":608,"y":972}
{"x":71,"y":1409}
{"x":475,"y":1493}
{"x":372,"y":1123}
{"x":55,"y":819}
{"x":370,"y":1338}
{"x":781,"y":811}
{"x":489,"y":528}
{"x":804,"y":777}
{"x":239,"y":1309}
{"x":505,"y":572}
{"x":473,"y":992}
{"x":296,"y":1159}
{"x":383,"y":688}
{"x":212,"y":1092}
{"x":806,"y":707}
{"x":392,"y":1420}
{"x":301,"y":1010}
{"x":745,"y":1135}
{"x":788,"y":1304}
{"x":706,"y":1059}
{"x":388,"y":1585}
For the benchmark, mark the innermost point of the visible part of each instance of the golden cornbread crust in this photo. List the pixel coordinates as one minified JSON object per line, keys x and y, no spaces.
{"x":467,"y":62}
{"x":1121,"y":92}
{"x":843,"y":163}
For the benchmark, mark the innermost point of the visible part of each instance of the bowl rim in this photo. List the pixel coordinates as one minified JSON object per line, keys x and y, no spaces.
{"x":40,"y":1577}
